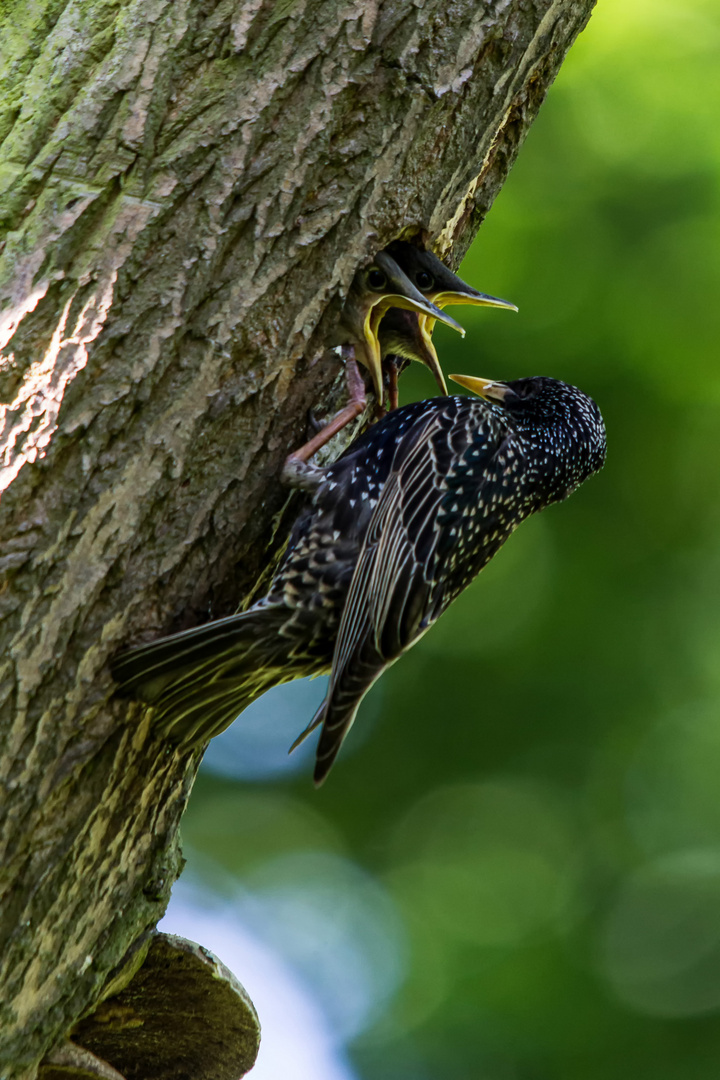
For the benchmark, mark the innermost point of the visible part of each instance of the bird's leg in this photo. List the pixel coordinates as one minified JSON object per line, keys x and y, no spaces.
{"x":393,"y":371}
{"x":296,"y":471}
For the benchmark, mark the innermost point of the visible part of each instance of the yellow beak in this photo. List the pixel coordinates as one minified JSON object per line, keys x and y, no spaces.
{"x":443,"y":299}
{"x":365,"y":307}
{"x":484,"y":388}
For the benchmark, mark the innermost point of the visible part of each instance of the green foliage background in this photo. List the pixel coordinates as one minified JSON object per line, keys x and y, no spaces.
{"x":523,"y":833}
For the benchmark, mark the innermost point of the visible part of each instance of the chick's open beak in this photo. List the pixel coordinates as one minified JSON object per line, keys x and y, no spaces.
{"x":471,"y":296}
{"x":436,"y":281}
{"x":399,"y":291}
{"x":448,"y":289}
{"x":404,"y":334}
{"x":485,"y":388}
{"x":374,"y":291}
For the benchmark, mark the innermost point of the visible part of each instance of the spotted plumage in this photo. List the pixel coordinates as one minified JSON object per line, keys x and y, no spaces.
{"x":392,"y":533}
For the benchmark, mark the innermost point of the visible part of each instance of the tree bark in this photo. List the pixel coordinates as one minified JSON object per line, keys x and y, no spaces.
{"x":186,"y":191}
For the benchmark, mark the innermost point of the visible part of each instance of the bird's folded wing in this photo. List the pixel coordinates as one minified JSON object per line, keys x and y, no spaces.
{"x":390,"y":586}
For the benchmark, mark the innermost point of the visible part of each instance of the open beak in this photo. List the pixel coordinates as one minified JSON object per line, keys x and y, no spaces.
{"x":371,"y":304}
{"x":471,"y":296}
{"x":400,"y":292}
{"x":427,"y":314}
{"x":428,"y":351}
{"x":485,"y":388}
{"x":438,"y":283}
{"x":404,"y":334}
{"x":448,"y":289}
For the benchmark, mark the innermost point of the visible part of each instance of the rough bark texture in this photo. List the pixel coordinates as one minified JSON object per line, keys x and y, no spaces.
{"x":187,"y":189}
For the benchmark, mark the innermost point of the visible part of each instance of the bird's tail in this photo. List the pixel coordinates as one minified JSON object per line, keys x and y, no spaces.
{"x":198,"y":681}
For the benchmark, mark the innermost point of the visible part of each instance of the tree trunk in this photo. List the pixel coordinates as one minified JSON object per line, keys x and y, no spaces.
{"x":188,"y":188}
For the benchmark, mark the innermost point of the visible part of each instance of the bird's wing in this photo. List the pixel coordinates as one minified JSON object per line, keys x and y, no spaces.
{"x":390,"y":602}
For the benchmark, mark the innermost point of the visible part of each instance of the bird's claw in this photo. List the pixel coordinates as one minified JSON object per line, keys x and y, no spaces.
{"x":300,"y":474}
{"x":315,"y":424}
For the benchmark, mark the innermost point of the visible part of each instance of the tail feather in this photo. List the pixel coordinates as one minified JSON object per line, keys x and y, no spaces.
{"x":145,"y":671}
{"x":331,"y":739}
{"x":198,"y":681}
{"x":314,"y":723}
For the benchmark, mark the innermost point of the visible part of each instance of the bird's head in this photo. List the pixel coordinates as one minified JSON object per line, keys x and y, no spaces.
{"x":436,"y":282}
{"x":375,"y":290}
{"x":561,"y":428}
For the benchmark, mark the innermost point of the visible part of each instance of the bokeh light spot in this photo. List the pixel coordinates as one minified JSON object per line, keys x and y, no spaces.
{"x":673,"y":799}
{"x":339,"y":928}
{"x":661,"y":941}
{"x":489,"y":863}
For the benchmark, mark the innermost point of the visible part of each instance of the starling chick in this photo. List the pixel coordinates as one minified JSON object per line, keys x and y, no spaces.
{"x":408,"y":334}
{"x":435,"y":281}
{"x":393,"y":532}
{"x":378,"y":293}
{"x":375,"y":290}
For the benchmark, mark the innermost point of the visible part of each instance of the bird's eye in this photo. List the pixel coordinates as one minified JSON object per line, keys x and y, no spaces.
{"x":424,"y":280}
{"x":376,"y":278}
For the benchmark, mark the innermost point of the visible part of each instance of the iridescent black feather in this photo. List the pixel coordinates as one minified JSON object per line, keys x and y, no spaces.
{"x":394,"y":531}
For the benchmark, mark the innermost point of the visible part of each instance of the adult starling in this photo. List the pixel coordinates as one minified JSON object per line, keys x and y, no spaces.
{"x":393,"y":532}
